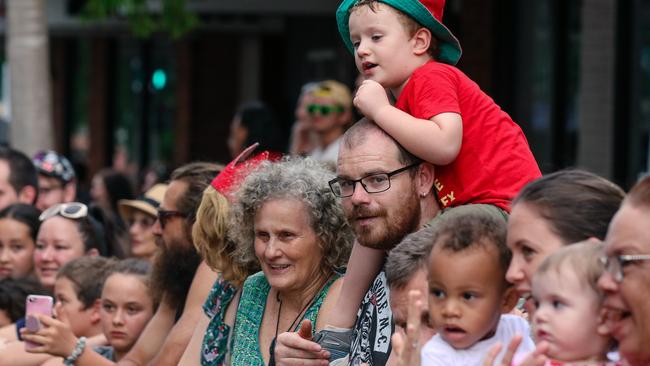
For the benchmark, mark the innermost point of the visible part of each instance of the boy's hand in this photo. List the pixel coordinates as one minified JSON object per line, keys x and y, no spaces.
{"x":370,"y":98}
{"x":55,"y":338}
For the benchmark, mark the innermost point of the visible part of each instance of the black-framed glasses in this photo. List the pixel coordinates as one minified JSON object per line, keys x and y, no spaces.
{"x":323,"y":109}
{"x":164,"y":216}
{"x":69,"y":210}
{"x":614,"y":265}
{"x":373,"y":183}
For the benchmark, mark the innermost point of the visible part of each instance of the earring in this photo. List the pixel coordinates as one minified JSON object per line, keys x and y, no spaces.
{"x":423,"y":194}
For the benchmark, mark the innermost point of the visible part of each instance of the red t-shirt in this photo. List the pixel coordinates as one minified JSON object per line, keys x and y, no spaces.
{"x":495,"y":161}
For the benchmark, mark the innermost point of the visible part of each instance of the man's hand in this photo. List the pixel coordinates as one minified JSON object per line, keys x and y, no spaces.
{"x":370,"y":98}
{"x":297,"y":348}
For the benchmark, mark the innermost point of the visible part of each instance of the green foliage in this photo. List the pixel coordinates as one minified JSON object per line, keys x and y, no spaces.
{"x":143,"y":21}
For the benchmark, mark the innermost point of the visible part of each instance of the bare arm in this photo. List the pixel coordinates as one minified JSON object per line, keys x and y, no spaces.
{"x":191,"y":356}
{"x":181,"y":333}
{"x":8,"y":333}
{"x":438,"y":142}
{"x":363,"y":267}
{"x":14,"y":354}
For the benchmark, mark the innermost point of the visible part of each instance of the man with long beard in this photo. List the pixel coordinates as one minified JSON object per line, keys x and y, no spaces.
{"x":180,"y":279}
{"x":386,"y":193}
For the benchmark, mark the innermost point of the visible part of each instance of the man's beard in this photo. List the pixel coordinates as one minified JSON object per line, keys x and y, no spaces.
{"x":403,"y":221}
{"x":173,"y":271}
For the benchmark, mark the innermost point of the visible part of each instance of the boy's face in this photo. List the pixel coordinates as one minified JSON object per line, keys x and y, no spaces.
{"x":79,"y":319}
{"x":466,"y":294}
{"x":567,"y":316}
{"x":383,"y":49}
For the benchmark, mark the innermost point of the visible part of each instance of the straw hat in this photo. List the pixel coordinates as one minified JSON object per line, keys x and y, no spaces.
{"x":147,"y":203}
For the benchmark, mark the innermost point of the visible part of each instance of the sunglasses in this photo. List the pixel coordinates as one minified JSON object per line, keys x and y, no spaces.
{"x":70,"y":210}
{"x":323,"y":109}
{"x":164,"y":216}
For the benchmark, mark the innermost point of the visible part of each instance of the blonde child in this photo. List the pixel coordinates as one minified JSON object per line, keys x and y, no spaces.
{"x":468,"y":293}
{"x":440,"y":115}
{"x":567,"y":320}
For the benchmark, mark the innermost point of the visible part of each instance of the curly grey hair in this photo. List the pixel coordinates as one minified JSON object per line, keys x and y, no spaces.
{"x":293,"y":178}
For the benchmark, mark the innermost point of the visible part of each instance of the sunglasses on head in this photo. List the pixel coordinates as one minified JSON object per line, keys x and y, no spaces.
{"x":323,"y":109}
{"x":69,"y":210}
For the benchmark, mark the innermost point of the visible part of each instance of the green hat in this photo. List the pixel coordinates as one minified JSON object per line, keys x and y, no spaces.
{"x":426,"y":12}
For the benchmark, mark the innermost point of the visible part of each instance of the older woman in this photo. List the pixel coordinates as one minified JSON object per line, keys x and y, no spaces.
{"x":626,"y":283}
{"x":287,"y":220}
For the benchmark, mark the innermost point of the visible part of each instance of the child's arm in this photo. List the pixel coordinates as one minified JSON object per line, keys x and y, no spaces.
{"x":438,"y":142}
{"x":363,"y":267}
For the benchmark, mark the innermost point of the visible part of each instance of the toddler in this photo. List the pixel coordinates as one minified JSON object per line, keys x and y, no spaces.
{"x":440,"y":115}
{"x":568,"y":307}
{"x":468,"y":292}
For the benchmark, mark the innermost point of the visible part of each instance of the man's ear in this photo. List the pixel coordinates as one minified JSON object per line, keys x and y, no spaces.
{"x":510,"y":299}
{"x":421,"y":41}
{"x":27,"y":195}
{"x":425,"y":180}
{"x":92,"y":252}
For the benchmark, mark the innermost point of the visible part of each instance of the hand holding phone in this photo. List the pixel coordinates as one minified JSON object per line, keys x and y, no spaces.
{"x":36,"y":304}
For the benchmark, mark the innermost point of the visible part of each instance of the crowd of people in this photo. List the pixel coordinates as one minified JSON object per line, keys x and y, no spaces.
{"x":421,"y":234}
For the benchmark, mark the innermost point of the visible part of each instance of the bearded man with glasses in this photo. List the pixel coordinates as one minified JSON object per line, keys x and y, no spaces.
{"x":386,"y":194}
{"x":626,"y":282}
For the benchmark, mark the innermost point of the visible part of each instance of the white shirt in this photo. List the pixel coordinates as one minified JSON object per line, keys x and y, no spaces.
{"x":436,"y":352}
{"x":329,"y":154}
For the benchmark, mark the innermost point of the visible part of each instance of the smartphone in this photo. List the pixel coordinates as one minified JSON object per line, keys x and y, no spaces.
{"x":36,"y":304}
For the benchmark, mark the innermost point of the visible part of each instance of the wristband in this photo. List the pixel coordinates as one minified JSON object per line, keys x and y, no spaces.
{"x":76,"y":352}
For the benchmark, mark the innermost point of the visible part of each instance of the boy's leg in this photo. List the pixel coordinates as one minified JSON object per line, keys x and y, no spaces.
{"x":364,"y":265}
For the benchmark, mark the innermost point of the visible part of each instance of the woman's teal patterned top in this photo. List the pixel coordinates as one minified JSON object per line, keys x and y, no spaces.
{"x":246,"y":348}
{"x":215,"y":342}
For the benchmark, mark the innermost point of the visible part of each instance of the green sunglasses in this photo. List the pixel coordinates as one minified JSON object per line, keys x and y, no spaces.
{"x":323,"y":109}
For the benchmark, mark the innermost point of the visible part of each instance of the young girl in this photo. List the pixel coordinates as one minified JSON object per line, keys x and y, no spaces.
{"x":568,"y":320}
{"x":127,"y":306}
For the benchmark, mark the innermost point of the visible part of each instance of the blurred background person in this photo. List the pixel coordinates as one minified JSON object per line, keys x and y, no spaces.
{"x":18,"y":180}
{"x":328,"y":107}
{"x":19,"y":225}
{"x":140,"y":215}
{"x":57,"y":181}
{"x":107,"y":188}
{"x":255,"y":122}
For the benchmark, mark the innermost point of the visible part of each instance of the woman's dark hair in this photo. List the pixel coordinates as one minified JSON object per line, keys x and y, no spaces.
{"x":577,"y":204}
{"x":262,"y":127}
{"x":98,"y":231}
{"x":24,"y":213}
{"x":13,"y":293}
{"x":118,"y":186}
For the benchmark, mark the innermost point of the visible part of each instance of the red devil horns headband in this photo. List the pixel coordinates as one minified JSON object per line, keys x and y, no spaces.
{"x":238,"y":169}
